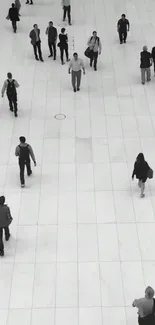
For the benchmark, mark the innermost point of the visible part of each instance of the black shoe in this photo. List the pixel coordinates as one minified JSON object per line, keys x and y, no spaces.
{"x":27,"y":2}
{"x":7,"y":238}
{"x":31,"y":3}
{"x":11,"y":109}
{"x":41,"y":60}
{"x":124,"y":41}
{"x":68,"y":60}
{"x":78,"y":89}
{"x":62,"y":63}
{"x":54,"y":59}
{"x":50,"y":55}
{"x":90,"y":64}
{"x":70,"y":24}
{"x":74,"y":90}
{"x":29,"y":174}
{"x":1,"y":253}
{"x":95,"y":69}
{"x":120,"y":42}
{"x":37,"y":59}
{"x":16,"y":115}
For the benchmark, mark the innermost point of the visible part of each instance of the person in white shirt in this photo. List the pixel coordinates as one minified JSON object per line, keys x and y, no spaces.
{"x":94,"y":44}
{"x":146,"y":307}
{"x":10,"y":86}
{"x":76,"y":64}
{"x":67,"y":10}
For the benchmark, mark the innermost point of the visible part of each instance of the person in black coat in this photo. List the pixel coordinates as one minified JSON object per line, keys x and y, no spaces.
{"x":63,"y":44}
{"x":141,"y":169}
{"x":13,"y":16}
{"x":122,"y":28}
{"x":5,"y":220}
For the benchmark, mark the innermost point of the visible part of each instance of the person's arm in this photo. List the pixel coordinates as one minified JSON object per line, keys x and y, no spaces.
{"x":83,"y":68}
{"x":32,"y":154}
{"x":16,"y":84}
{"x":46,"y":31}
{"x":151,"y":59}
{"x":134,"y":303}
{"x":70,"y":66}
{"x":4,"y":87}
{"x":118,"y":26}
{"x":56,"y":35}
{"x":17,"y":151}
{"x":128,"y":24}
{"x":134,"y":171}
{"x":30,"y":35}
{"x":100,"y":47}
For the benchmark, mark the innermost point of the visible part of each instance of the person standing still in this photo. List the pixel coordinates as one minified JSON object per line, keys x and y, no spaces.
{"x":123,"y":27}
{"x":145,"y":64}
{"x":5,"y":221}
{"x":13,"y":16}
{"x":51,"y":32}
{"x":66,"y":10}
{"x":10,"y":86}
{"x":94,"y":44}
{"x":36,"y":42}
{"x":63,"y":45}
{"x":24,"y":151}
{"x":75,"y":65}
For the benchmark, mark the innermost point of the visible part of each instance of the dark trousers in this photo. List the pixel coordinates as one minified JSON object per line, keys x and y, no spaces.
{"x":76,"y":79}
{"x":94,"y":59}
{"x":37,"y":48}
{"x":52,"y":48}
{"x":12,"y":103}
{"x":122,"y":36}
{"x":14,"y":25}
{"x":62,"y":49}
{"x":7,"y":235}
{"x":22,"y":165}
{"x":67,"y":10}
{"x":154,"y":65}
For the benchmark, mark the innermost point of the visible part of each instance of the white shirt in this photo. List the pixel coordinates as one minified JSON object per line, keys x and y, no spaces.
{"x":76,"y":65}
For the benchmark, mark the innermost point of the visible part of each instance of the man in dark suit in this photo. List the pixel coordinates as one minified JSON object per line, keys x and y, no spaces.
{"x":36,"y":42}
{"x":13,"y":16}
{"x":51,"y":32}
{"x":122,"y":28}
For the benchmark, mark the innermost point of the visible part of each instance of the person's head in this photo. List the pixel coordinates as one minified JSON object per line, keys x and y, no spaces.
{"x":94,"y":33}
{"x":13,"y":5}
{"x":75,"y":55}
{"x":35,"y":26}
{"x":2,"y":200}
{"x":123,"y":16}
{"x":144,"y":48}
{"x":140,"y":158}
{"x":63,"y":30}
{"x":22,"y":139}
{"x":149,"y":292}
{"x":9,"y":75}
{"x":50,"y":23}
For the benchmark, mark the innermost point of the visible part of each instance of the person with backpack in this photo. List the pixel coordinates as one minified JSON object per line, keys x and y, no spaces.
{"x":14,"y":17}
{"x":24,"y":151}
{"x":10,"y":86}
{"x":95,"y":46}
{"x":142,"y":171}
{"x":146,"y":307}
{"x":5,"y":221}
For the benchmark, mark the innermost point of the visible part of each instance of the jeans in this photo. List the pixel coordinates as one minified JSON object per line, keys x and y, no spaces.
{"x":76,"y":78}
{"x":146,"y":71}
{"x":67,"y":10}
{"x":122,"y":36}
{"x":37,"y":47}
{"x":62,"y":49}
{"x":12,"y":102}
{"x":52,"y":48}
{"x":14,"y":25}
{"x":7,"y":235}
{"x":94,"y":58}
{"x":22,"y":165}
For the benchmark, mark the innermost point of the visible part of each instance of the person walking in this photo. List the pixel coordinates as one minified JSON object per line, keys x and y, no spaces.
{"x":94,"y":44}
{"x":5,"y":221}
{"x":18,"y":6}
{"x":29,"y":2}
{"x":51,"y":32}
{"x":75,"y":65}
{"x":13,"y":16}
{"x":10,"y":86}
{"x":66,"y":10}
{"x":153,"y":58}
{"x":123,"y":27}
{"x":141,"y":169}
{"x":146,"y":307}
{"x":145,"y":64}
{"x":36,"y":42}
{"x":63,"y":45}
{"x":24,"y":151}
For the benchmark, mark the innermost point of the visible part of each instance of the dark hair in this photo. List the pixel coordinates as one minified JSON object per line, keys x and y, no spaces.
{"x":2,"y":200}
{"x":13,"y":5}
{"x":123,"y":15}
{"x":9,"y":75}
{"x":94,"y":32}
{"x":75,"y":53}
{"x":22,"y":139}
{"x":34,"y":25}
{"x":50,"y":22}
{"x":140,"y":158}
{"x":63,"y":30}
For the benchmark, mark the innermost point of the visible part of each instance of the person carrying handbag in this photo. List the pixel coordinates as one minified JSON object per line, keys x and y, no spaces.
{"x":5,"y":221}
{"x":95,"y":47}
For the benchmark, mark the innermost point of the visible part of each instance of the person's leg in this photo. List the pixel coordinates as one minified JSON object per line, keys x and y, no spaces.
{"x":142,"y":189}
{"x":92,"y":59}
{"x":15,"y":105}
{"x":39,"y":51}
{"x":22,"y":167}
{"x":143,"y":75}
{"x":1,"y":242}
{"x":120,"y":37}
{"x":35,"y":51}
{"x":65,"y":11}
{"x":28,"y":166}
{"x":125,"y":37}
{"x":78,"y":79}
{"x":62,"y":54}
{"x":54,"y":50}
{"x":50,"y":48}
{"x":69,"y":14}
{"x":66,"y":51}
{"x":10,"y":103}
{"x":15,"y":24}
{"x":148,"y":74}
{"x":95,"y":60}
{"x":73,"y":80}
{"x":7,"y":233}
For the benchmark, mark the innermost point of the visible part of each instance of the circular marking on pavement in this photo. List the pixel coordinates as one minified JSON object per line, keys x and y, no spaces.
{"x":60,"y":116}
